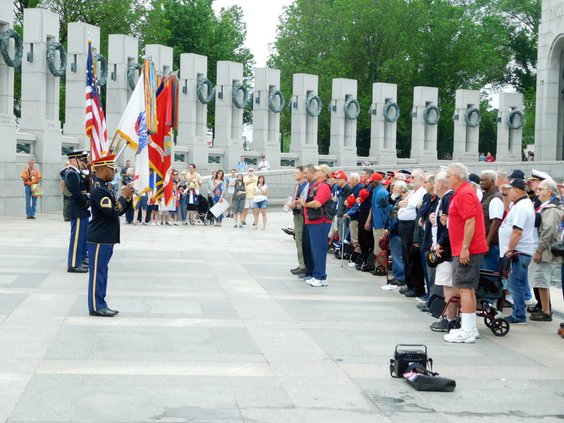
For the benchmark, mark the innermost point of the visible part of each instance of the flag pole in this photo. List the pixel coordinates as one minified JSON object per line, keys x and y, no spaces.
{"x":120,"y":151}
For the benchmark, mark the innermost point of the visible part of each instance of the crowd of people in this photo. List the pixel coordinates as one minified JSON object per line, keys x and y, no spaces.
{"x":193,"y":198}
{"x":466,"y":222}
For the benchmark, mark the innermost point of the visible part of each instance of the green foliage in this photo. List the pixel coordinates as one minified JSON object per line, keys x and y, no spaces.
{"x":440,"y":43}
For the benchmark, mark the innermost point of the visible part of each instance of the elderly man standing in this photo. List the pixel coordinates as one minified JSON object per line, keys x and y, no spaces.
{"x":516,"y":235}
{"x":318,"y":222}
{"x":300,"y":191}
{"x":467,"y":235}
{"x":379,"y":213}
{"x":407,"y":214}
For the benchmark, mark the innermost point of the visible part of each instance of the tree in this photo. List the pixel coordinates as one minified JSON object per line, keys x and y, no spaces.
{"x":440,"y":43}
{"x":191,"y":26}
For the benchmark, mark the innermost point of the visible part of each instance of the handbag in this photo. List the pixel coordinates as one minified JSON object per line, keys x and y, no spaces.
{"x":557,"y":249}
{"x":36,"y":190}
{"x":425,"y":380}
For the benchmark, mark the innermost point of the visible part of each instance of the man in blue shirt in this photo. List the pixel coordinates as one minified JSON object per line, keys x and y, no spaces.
{"x":379,"y":213}
{"x":242,"y":165}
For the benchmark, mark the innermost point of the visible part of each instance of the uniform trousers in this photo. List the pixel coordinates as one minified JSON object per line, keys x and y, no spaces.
{"x":298,"y":235}
{"x":100,"y":255}
{"x":77,"y":244}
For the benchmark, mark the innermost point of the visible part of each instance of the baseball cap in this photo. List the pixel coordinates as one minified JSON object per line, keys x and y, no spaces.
{"x":324,"y":168}
{"x":376,"y":177}
{"x":518,"y":183}
{"x":474,"y":178}
{"x":341,"y":175}
{"x":517,"y":173}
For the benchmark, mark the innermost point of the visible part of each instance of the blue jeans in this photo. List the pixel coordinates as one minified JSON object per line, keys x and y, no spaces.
{"x":318,"y":246}
{"x":519,"y":285}
{"x":30,"y":202}
{"x":490,"y":261}
{"x":397,"y":262}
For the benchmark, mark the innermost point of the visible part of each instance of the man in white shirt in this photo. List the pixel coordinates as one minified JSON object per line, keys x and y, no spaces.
{"x":516,"y":234}
{"x":263,"y":164}
{"x":407,"y":214}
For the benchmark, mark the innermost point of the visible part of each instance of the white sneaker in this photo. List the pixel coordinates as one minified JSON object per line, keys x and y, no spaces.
{"x":311,"y":279}
{"x":475,"y":332}
{"x":352,"y":264}
{"x":324,"y":282}
{"x":460,"y":336}
{"x":314,"y":282}
{"x":531,"y":302}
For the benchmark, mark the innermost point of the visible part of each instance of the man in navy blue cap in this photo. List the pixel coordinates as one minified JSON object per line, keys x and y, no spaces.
{"x":517,"y":174}
{"x":76,"y":180}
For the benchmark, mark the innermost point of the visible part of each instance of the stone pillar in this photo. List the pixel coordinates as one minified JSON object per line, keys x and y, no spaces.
{"x":509,"y":141}
{"x":123,"y":51}
{"x":228,"y":118}
{"x":161,"y":56}
{"x":40,"y":100}
{"x":304,"y":126}
{"x":343,"y":129}
{"x":466,"y":138}
{"x":266,"y":123}
{"x":383,"y":134}
{"x":192,"y":114}
{"x":75,"y":82}
{"x":7,"y":122}
{"x":424,"y":135}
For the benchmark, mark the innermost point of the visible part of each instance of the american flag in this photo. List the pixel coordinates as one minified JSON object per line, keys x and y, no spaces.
{"x":95,"y":119}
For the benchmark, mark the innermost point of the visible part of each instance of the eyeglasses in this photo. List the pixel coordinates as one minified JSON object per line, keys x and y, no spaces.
{"x":251,"y":171}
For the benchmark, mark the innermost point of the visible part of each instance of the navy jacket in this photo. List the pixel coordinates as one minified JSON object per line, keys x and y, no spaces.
{"x":106,"y":210}
{"x":77,"y":184}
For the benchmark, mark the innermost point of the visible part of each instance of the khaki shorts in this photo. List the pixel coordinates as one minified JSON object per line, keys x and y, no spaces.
{"x":443,"y":274}
{"x":539,"y":274}
{"x":466,"y":276}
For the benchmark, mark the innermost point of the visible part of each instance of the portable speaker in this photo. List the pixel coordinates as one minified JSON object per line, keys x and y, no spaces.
{"x":405,"y":355}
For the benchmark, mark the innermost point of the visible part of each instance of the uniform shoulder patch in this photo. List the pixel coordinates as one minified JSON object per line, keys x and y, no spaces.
{"x":106,"y":203}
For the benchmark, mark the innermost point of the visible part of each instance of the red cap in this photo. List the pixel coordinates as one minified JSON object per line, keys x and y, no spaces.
{"x":341,"y":175}
{"x":109,"y":160}
{"x":376,"y":177}
{"x":386,"y":182}
{"x":363,"y":194}
{"x":332,"y":175}
{"x":350,"y":201}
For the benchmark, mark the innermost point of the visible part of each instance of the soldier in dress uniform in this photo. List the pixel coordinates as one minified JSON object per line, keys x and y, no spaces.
{"x":76,"y":181}
{"x":103,"y":231}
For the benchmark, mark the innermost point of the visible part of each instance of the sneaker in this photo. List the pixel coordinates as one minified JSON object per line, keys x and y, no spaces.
{"x":541,"y":316}
{"x":352,"y":264}
{"x":531,"y":302}
{"x":460,"y":337}
{"x":533,"y":309}
{"x":439,"y":326}
{"x":316,"y":282}
{"x":241,"y":226}
{"x":512,"y":320}
{"x":422,"y":299}
{"x":235,"y":226}
{"x":423,"y":307}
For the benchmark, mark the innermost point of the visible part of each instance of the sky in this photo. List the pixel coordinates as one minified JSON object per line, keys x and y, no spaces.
{"x":261,"y":17}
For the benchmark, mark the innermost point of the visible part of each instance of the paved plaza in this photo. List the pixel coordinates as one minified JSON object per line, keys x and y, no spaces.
{"x":214,"y":328}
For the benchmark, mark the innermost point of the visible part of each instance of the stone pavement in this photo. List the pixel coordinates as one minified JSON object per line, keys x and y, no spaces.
{"x":213,"y":328}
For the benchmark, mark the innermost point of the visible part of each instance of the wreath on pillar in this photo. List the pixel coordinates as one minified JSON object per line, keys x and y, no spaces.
{"x":352,"y":115}
{"x":210,"y":90}
{"x":276,"y":108}
{"x":62,"y":69}
{"x":309,"y":100}
{"x":468,"y":117}
{"x":387,"y":108}
{"x":428,"y":113}
{"x":103,"y":78}
{"x":240,"y":104}
{"x":515,"y":119}
{"x":131,"y":74}
{"x":16,"y":62}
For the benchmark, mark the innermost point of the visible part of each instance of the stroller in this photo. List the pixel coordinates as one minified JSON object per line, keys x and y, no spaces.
{"x":490,"y":288}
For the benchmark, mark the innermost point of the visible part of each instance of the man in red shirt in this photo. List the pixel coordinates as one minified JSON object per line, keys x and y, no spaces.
{"x":467,"y":236}
{"x":318,"y":222}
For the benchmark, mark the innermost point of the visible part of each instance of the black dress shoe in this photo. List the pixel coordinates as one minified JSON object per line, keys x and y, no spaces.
{"x":403,"y":290}
{"x":86,"y":262}
{"x":410,"y":293}
{"x":113,"y":311}
{"x":105,"y":312}
{"x":78,"y":269}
